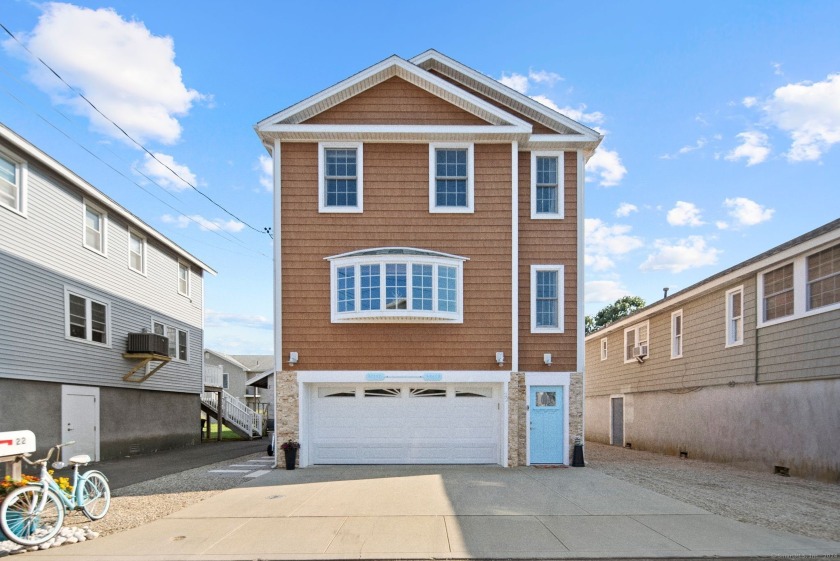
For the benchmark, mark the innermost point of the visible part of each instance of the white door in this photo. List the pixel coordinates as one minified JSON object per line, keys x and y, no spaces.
{"x":406,"y":424}
{"x":80,"y":420}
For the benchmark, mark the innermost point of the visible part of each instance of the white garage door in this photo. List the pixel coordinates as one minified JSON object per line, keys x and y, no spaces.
{"x":405,"y":424}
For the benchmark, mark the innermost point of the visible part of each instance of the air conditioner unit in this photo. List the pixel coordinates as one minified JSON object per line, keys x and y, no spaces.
{"x":148,"y":343}
{"x":640,"y":352}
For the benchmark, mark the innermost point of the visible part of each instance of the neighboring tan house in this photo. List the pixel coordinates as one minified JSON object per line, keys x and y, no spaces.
{"x":428,"y":269}
{"x":743,"y":367}
{"x":79,"y":274}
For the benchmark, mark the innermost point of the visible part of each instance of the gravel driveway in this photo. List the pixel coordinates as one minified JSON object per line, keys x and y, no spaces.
{"x":794,"y":505}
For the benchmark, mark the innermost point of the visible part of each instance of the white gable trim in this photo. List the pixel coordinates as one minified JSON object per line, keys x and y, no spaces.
{"x":378,"y":73}
{"x":431,"y":57}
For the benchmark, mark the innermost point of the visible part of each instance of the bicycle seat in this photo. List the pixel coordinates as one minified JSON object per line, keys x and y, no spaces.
{"x":81,"y":459}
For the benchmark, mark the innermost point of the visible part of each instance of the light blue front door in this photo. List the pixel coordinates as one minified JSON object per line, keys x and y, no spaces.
{"x":547,"y":419}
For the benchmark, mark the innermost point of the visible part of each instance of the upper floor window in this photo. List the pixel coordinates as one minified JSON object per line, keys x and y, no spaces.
{"x":546,"y":299}
{"x":451,"y":178}
{"x":87,"y":317}
{"x":12,"y":181}
{"x":604,"y":349}
{"x":396,"y":284}
{"x":136,"y":252}
{"x":340,"y":177}
{"x":778,"y":293}
{"x":183,"y":278}
{"x":95,"y":224}
{"x":546,"y":185}
{"x":735,"y":316}
{"x":636,"y":344}
{"x":178,"y":339}
{"x":677,"y":334}
{"x":824,"y":278}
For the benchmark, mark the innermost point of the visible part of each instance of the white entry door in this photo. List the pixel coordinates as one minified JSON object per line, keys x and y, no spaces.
{"x":80,"y":420}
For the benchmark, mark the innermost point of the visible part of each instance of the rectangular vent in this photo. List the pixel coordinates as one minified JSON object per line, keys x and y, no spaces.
{"x":781,"y":470}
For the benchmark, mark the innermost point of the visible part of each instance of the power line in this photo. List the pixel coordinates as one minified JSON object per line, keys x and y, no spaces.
{"x":138,"y":144}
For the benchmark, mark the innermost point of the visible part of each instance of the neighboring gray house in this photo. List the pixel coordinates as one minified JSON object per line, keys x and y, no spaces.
{"x":79,"y":273}
{"x":743,"y":367}
{"x":234,"y":376}
{"x":244,"y":408}
{"x":256,"y":397}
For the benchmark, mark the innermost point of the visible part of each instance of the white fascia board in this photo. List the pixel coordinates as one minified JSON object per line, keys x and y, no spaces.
{"x":316,"y":130}
{"x":420,"y":252}
{"x":432,"y":54}
{"x":394,"y":62}
{"x":402,"y":376}
{"x":227,"y":358}
{"x":98,"y":196}
{"x":790,"y":253}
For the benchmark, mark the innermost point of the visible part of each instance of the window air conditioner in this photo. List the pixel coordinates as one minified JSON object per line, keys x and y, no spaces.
{"x":640,"y":351}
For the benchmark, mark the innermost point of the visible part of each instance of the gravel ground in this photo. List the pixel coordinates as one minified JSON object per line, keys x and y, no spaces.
{"x":790,"y":504}
{"x":794,"y":505}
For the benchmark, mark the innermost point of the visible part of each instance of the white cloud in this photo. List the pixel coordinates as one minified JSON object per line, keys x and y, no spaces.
{"x":516,"y":81}
{"x":221,"y":319}
{"x":544,"y":77}
{"x":810,"y":113}
{"x":156,"y":170}
{"x":607,"y":165}
{"x":205,"y":224}
{"x":777,"y":68}
{"x":747,"y":212}
{"x":578,"y":114}
{"x":701,"y":142}
{"x":685,"y":214}
{"x":749,"y":102}
{"x":266,"y":168}
{"x":604,"y":291}
{"x":754,"y":148}
{"x":721,"y":225}
{"x":126,"y":71}
{"x":604,"y":241}
{"x":625,"y":209}
{"x":676,"y":257}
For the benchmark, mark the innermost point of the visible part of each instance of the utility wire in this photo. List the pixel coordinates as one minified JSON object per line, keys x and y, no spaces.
{"x":138,"y":144}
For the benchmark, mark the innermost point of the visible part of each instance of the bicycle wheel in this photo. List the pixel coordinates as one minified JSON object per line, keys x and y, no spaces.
{"x":24,"y":523}
{"x":96,"y":495}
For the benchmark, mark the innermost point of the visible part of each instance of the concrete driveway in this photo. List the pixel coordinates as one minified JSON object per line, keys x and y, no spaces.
{"x":441,"y":512}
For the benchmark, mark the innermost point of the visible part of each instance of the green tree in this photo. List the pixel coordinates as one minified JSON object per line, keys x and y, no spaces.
{"x":622,"y":307}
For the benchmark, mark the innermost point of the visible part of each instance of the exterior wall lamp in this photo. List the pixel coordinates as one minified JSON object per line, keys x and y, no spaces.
{"x":293,"y":358}
{"x":500,"y":358}
{"x":547,"y":359}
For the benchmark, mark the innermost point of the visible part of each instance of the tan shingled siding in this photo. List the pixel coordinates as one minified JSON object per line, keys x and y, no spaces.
{"x":706,"y":360}
{"x":549,"y":242}
{"x":395,"y":102}
{"x":396,"y":213}
{"x":539,"y":128}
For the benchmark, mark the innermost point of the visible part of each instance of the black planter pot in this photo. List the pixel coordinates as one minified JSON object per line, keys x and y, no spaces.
{"x":291,"y":456}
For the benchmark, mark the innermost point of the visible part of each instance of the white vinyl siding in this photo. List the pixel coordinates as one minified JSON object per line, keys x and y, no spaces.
{"x":340,"y":177}
{"x":735,"y":317}
{"x":12,"y":183}
{"x":87,"y":318}
{"x":547,"y":312}
{"x":677,"y":334}
{"x":95,"y":227}
{"x":451,"y":177}
{"x":546,"y":185}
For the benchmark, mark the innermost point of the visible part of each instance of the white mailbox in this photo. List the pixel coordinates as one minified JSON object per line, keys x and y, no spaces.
{"x":13,"y":443}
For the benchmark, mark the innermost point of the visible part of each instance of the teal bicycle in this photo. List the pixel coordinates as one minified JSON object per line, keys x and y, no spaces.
{"x":33,"y":514}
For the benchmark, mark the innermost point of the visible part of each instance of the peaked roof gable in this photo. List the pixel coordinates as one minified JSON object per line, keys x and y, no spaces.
{"x":378,"y":73}
{"x":433,"y":60}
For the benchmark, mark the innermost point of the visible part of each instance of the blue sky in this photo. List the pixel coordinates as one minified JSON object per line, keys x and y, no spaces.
{"x":722,"y":119}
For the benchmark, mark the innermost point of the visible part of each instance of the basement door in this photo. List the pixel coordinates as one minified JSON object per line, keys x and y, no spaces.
{"x":617,"y":421}
{"x":80,"y":420}
{"x":546,"y":429}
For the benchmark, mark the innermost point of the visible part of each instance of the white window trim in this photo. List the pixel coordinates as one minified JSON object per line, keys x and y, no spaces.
{"x":189,"y":278}
{"x":560,"y":173}
{"x":470,"y":178}
{"x":145,"y":255}
{"x":604,"y":348}
{"x":322,"y":200}
{"x":396,"y":316}
{"x":21,"y":182}
{"x":103,"y":234}
{"x":89,"y":297}
{"x":635,"y":328}
{"x":730,"y":342}
{"x":166,"y":324}
{"x":674,"y":316}
{"x":561,"y":308}
{"x":800,"y":290}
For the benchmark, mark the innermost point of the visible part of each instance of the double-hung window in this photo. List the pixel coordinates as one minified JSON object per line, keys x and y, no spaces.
{"x":451,"y":182}
{"x":546,"y":185}
{"x":12,"y":181}
{"x":823,"y":278}
{"x":547,"y":299}
{"x":604,"y":348}
{"x":178,"y":340}
{"x":95,"y":224}
{"x":735,"y":317}
{"x":677,"y":334}
{"x":87,"y":317}
{"x":183,"y":279}
{"x":340,"y":174}
{"x":636,"y":342}
{"x":136,"y":252}
{"x":778,"y":293}
{"x":396,"y":285}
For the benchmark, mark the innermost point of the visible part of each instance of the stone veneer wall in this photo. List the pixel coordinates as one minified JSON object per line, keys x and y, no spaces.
{"x":286,"y":417}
